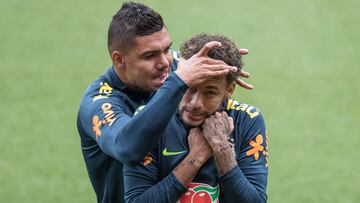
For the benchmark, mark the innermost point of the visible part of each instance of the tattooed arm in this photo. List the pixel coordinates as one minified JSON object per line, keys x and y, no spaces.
{"x":216,"y":129}
{"x":243,"y":180}
{"x":199,"y":153}
{"x":143,"y":184}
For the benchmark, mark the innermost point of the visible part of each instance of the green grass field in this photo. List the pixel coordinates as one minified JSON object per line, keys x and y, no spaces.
{"x":304,"y":65}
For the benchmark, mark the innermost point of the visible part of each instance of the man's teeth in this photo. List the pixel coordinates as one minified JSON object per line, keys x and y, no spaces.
{"x":195,"y":114}
{"x":160,"y":78}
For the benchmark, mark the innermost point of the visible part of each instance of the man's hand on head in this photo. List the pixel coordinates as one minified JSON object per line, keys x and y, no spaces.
{"x":200,"y":67}
{"x":244,"y":74}
{"x":242,"y":83}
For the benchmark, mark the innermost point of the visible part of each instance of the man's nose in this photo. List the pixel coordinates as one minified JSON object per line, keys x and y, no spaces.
{"x":196,"y":100}
{"x":164,"y":62}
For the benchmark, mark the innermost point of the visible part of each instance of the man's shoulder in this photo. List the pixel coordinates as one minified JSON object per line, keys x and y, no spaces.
{"x":250,"y":124}
{"x":100,"y":92}
{"x":240,"y":110}
{"x":100,"y":104}
{"x":104,"y":87}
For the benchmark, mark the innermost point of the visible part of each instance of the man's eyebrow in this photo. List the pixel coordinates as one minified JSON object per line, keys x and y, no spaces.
{"x":168,"y":47}
{"x":211,"y":87}
{"x":150,"y":52}
{"x":155,"y":50}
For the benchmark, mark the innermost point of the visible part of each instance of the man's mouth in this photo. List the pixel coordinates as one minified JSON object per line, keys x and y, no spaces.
{"x":161,"y":78}
{"x":194,"y":115}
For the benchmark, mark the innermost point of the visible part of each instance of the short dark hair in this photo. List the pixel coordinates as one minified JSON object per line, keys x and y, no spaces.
{"x":131,"y":21}
{"x":228,"y":52}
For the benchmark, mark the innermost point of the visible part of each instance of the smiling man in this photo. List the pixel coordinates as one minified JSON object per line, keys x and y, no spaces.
{"x":139,"y":46}
{"x":214,"y":148}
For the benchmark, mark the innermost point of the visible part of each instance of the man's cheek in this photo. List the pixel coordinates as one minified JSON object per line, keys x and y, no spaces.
{"x":213,"y":107}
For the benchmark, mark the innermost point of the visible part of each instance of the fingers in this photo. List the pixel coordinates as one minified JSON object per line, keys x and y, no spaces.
{"x":210,"y":74}
{"x":207,"y":47}
{"x":209,"y":71}
{"x":244,"y":84}
{"x":228,"y":121}
{"x":216,"y":116}
{"x":244,"y":51}
{"x":231,"y":123}
{"x":221,"y":115}
{"x":195,"y":130}
{"x":217,"y":67}
{"x":244,"y":74}
{"x":212,"y":61}
{"x":193,"y":134}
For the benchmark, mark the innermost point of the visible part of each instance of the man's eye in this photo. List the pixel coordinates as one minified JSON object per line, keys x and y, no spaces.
{"x":192,"y":89}
{"x":149,"y":55}
{"x":210,"y":93}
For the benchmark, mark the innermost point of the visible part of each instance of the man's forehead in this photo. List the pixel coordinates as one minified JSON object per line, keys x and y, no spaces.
{"x":218,"y":81}
{"x":157,"y":40}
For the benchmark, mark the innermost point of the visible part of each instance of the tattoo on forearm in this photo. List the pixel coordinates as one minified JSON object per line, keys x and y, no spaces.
{"x":221,"y":147}
{"x":191,"y":162}
{"x":225,"y":161}
{"x":186,"y":171}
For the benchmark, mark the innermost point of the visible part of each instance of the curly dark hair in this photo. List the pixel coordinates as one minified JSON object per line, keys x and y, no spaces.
{"x":228,"y":52}
{"x":131,"y":21}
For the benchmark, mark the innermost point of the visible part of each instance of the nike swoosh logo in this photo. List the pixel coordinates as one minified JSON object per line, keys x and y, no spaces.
{"x":167,"y":153}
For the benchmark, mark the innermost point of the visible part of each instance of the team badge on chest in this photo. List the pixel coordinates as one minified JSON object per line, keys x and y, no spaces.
{"x":200,"y":193}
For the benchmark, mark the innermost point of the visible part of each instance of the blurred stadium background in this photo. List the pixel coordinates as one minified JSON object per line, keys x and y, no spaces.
{"x":304,"y":65}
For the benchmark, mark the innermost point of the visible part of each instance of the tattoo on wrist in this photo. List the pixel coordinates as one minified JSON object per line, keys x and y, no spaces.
{"x":222,"y":147}
{"x":191,"y":162}
{"x":225,"y":162}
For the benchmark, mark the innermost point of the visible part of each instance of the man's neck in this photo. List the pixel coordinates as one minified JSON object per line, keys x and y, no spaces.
{"x":122,"y":77}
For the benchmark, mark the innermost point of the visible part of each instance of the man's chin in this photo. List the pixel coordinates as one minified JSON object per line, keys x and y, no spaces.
{"x":153,"y":87}
{"x":193,"y":124}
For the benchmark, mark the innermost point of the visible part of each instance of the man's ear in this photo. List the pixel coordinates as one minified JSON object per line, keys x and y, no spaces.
{"x":230,"y":90}
{"x":117,"y":59}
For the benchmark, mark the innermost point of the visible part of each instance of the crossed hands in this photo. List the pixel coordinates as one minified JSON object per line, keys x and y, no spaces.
{"x":212,"y":137}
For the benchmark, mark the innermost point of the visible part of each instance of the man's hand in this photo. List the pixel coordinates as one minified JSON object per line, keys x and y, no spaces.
{"x":199,"y":153}
{"x":200,"y":67}
{"x":198,"y":146}
{"x":244,"y":74}
{"x":242,"y":83}
{"x":216,"y":130}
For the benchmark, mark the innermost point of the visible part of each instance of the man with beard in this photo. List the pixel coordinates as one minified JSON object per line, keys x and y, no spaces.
{"x":213,"y":150}
{"x":139,"y":46}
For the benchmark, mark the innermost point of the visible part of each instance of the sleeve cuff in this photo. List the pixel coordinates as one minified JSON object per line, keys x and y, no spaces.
{"x":235,"y":172}
{"x":179,"y":186}
{"x":183,"y":87}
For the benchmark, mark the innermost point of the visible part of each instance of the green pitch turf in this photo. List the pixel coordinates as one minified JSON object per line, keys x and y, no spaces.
{"x":304,"y":64}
